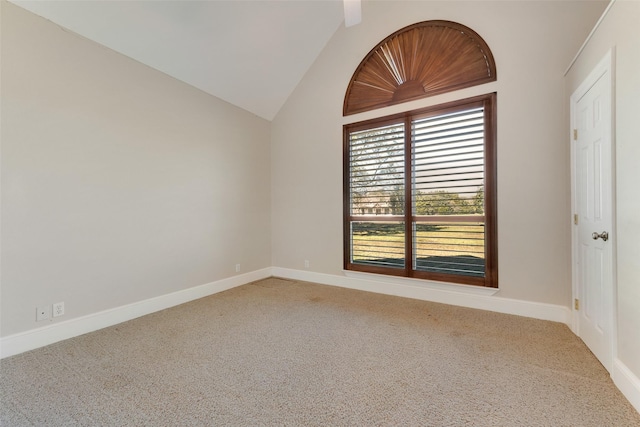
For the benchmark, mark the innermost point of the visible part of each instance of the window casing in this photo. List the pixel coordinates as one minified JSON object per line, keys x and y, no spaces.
{"x":420,"y":193}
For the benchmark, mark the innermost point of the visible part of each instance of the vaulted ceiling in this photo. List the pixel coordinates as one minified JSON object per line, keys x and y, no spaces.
{"x":249,"y":53}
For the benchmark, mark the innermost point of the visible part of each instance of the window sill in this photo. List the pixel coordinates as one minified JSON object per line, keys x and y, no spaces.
{"x":425,"y":284}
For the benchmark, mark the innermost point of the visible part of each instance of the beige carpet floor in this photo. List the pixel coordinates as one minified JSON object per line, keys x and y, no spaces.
{"x":284,"y":353}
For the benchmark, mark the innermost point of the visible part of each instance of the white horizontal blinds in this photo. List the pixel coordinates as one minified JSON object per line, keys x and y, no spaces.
{"x":452,"y":248}
{"x":448,"y":163}
{"x":376,"y":194}
{"x":448,"y":193}
{"x":376,"y":172}
{"x":378,"y":243}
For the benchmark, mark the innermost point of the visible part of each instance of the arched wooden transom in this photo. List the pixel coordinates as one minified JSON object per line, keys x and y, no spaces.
{"x":423,"y":59}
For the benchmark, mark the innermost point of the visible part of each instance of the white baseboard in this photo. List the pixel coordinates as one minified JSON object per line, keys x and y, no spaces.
{"x":465,"y":296}
{"x":29,"y":340}
{"x":627,"y":382}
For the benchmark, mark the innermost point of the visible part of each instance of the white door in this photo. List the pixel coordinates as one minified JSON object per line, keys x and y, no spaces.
{"x":593,"y":223}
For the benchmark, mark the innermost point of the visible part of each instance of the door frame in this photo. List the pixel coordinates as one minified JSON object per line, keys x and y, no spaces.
{"x":605,"y":67}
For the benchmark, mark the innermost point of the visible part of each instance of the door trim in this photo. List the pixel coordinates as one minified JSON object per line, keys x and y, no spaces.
{"x":606,"y":68}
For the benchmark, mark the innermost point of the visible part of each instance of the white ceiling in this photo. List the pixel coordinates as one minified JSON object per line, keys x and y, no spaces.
{"x":249,"y":53}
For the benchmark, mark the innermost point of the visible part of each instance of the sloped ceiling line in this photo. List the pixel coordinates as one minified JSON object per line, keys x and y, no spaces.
{"x":249,"y":53}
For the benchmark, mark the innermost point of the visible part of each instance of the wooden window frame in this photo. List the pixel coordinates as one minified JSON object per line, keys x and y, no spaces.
{"x":490,"y":279}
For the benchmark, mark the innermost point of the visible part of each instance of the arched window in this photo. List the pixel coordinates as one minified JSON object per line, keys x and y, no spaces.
{"x":424,"y":59}
{"x":432,"y":170}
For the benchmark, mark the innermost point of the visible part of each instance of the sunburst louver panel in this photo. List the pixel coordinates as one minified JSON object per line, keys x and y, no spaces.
{"x":421,"y":60}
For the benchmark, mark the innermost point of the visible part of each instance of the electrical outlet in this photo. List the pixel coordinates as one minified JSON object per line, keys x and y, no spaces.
{"x":58,"y":309}
{"x":306,"y":263}
{"x":237,"y":268}
{"x":43,"y":313}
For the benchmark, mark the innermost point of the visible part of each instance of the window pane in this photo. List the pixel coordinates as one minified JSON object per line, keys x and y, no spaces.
{"x":454,"y":247}
{"x":448,"y":164}
{"x":378,"y":243}
{"x":376,"y":171}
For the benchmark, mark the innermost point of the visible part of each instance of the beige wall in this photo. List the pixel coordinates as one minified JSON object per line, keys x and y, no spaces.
{"x":533,"y":43}
{"x":620,"y":29}
{"x":119,"y":183}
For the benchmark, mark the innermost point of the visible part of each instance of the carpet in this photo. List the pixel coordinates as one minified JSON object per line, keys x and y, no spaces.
{"x":289,"y":353}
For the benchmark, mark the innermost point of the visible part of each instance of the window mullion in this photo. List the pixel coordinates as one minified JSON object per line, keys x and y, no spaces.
{"x":408,"y":199}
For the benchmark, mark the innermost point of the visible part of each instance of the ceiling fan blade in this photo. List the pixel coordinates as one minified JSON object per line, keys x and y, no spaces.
{"x":352,"y":12}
